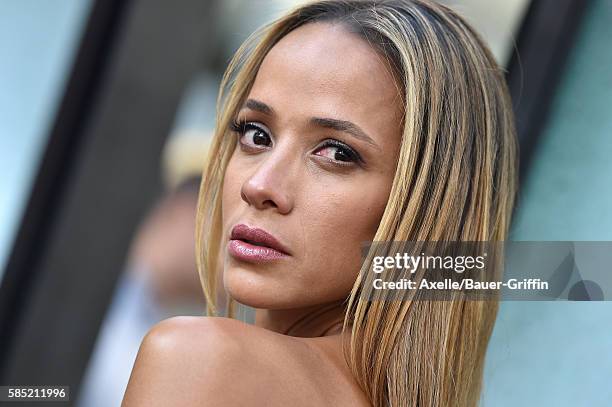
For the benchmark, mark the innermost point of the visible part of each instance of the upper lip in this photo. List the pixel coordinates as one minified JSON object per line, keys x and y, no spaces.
{"x":256,"y":236}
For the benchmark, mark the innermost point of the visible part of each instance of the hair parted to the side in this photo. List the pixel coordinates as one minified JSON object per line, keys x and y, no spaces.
{"x":455,"y":181}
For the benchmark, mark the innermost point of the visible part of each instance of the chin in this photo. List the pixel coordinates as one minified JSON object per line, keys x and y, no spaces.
{"x":256,"y":289}
{"x":265,"y":290}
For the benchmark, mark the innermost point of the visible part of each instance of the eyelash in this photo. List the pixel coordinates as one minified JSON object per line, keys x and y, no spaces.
{"x":241,"y":126}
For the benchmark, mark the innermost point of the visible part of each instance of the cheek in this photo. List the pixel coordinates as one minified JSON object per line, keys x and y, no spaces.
{"x":231,"y":197}
{"x":337,"y":227}
{"x":348,"y":218}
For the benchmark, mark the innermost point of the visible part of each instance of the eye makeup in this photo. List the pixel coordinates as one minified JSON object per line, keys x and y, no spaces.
{"x":343,"y":154}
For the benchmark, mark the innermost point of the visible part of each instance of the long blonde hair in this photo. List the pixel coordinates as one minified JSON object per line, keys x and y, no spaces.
{"x":455,"y":181}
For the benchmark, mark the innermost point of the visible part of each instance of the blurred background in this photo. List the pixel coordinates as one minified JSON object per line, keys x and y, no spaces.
{"x":106,"y":110}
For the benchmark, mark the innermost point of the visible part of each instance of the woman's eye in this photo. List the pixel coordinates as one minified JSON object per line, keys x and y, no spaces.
{"x":252,"y":135}
{"x":338,"y":151}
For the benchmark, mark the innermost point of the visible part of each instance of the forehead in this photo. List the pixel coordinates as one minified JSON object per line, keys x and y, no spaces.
{"x":322,"y":69}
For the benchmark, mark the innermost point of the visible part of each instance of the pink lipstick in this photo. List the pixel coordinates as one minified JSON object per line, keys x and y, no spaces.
{"x":254,"y":245}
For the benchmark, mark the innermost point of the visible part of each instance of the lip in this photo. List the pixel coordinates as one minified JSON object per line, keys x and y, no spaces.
{"x":254,"y":244}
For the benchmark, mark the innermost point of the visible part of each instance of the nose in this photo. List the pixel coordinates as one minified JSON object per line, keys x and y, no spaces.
{"x":268,"y":185}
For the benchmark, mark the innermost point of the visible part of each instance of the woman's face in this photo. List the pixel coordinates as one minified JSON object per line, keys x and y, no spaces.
{"x":318,"y":141}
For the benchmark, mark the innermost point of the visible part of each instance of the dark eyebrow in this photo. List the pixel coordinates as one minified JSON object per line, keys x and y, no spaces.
{"x":345,"y":126}
{"x":334,"y":124}
{"x":258,"y":107}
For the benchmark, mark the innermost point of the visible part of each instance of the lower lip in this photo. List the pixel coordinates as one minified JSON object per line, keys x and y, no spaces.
{"x":250,"y":252}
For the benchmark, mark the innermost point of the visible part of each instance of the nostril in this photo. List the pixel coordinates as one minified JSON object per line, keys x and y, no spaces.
{"x":263,"y":194}
{"x":268,"y":203}
{"x":244,"y":197}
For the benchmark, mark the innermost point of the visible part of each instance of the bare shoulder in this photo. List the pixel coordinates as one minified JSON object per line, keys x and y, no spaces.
{"x":202,"y":361}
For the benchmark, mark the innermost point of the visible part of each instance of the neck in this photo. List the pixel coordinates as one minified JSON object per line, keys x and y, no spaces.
{"x":310,"y":322}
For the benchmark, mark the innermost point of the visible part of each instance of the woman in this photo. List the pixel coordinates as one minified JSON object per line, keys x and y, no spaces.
{"x":340,"y":123}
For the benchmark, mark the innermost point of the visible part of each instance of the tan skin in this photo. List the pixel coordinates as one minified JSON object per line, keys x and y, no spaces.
{"x":320,"y":202}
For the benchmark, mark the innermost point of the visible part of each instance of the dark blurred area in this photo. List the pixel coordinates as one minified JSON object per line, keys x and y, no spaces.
{"x":106,"y":112}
